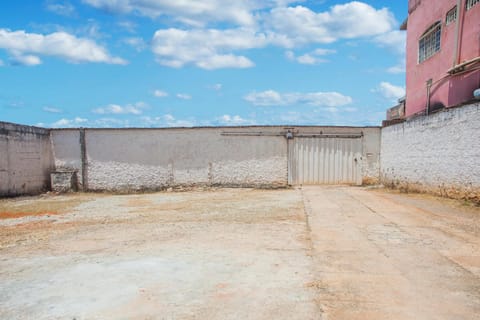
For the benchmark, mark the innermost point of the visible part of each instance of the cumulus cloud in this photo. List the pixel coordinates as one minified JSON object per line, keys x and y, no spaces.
{"x":136,"y":43}
{"x":134,"y":109}
{"x":61,"y":8}
{"x":184,"y":96}
{"x":390,"y":91}
{"x":235,"y":120}
{"x":69,"y":123}
{"x":300,"y":25}
{"x":25,"y":60}
{"x":398,"y":68}
{"x":313,"y":57}
{"x":27,"y":47}
{"x":394,"y":40}
{"x":274,"y":98}
{"x":129,"y":26}
{"x":189,"y":12}
{"x":52,"y":110}
{"x":160,"y":93}
{"x":166,"y":120}
{"x":282,"y":26}
{"x":207,"y":49}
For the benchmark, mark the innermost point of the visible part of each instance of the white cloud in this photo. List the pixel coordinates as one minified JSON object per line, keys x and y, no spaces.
{"x":225,"y":61}
{"x":274,"y":98}
{"x":128,"y":26}
{"x":26,"y":47}
{"x":399,"y":68}
{"x":216,"y":87}
{"x":26,"y":60}
{"x":69,"y":123}
{"x":1,"y":63}
{"x":184,"y":96}
{"x":160,"y":93}
{"x":189,"y":12}
{"x":61,"y":8}
{"x":390,"y":91}
{"x":136,"y":43}
{"x":52,"y":110}
{"x":82,"y":122}
{"x":229,"y":120}
{"x":135,"y":109}
{"x":394,"y":40}
{"x":313,"y":57}
{"x":287,"y":27}
{"x":166,"y":120}
{"x":207,"y":49}
{"x":300,"y":25}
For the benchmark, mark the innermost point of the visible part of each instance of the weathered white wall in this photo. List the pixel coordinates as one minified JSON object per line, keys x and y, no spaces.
{"x":439,"y":153}
{"x":25,"y":159}
{"x":67,"y":152}
{"x":137,"y":159}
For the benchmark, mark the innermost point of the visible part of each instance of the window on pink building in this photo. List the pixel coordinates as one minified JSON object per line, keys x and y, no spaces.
{"x":451,"y":16}
{"x":471,"y":3}
{"x":429,"y":43}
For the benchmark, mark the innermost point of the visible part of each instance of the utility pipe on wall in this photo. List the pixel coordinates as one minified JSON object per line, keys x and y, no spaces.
{"x":456,"y":55}
{"x":429,"y":87}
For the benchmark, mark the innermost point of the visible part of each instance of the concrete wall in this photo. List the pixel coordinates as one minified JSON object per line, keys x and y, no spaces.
{"x":439,"y":153}
{"x":67,"y":151}
{"x":25,"y":159}
{"x":137,"y":159}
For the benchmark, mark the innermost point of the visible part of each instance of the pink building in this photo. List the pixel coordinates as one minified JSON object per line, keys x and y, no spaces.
{"x":443,"y":54}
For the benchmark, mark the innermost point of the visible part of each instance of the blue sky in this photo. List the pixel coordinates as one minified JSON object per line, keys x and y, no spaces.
{"x":163,"y":63}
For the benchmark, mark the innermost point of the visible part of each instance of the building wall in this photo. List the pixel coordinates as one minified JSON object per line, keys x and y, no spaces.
{"x":447,"y":90}
{"x":25,"y":159}
{"x":138,"y":159}
{"x":439,"y":153}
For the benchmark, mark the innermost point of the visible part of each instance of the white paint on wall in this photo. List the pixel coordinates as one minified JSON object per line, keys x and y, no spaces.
{"x":114,"y":175}
{"x":438,"y":152}
{"x":254,"y":172}
{"x":138,"y":159}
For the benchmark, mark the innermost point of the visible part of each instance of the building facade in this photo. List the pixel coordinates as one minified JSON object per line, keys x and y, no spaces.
{"x":443,"y":54}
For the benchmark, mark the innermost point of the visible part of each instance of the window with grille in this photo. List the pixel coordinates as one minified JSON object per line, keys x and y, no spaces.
{"x":471,"y":3}
{"x":451,"y":16}
{"x":429,"y":43}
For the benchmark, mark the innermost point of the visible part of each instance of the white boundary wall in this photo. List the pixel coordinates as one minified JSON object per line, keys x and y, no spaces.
{"x":439,"y":153}
{"x":139,"y":159}
{"x":25,"y":159}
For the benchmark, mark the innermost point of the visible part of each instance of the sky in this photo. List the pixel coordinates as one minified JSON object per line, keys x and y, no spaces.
{"x":183,"y":63}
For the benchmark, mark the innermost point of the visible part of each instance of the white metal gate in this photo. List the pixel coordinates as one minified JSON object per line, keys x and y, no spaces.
{"x":325,"y":160}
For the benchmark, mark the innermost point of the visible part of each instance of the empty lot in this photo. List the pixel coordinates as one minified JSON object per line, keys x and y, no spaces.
{"x":305,"y":253}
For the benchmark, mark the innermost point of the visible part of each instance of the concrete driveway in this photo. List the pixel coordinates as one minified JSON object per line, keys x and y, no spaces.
{"x":306,"y":253}
{"x":388,"y":256}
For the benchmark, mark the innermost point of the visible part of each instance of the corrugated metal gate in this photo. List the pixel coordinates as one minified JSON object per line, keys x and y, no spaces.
{"x":324,"y":159}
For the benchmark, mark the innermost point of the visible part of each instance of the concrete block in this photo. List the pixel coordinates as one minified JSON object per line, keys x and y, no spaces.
{"x":64,"y":181}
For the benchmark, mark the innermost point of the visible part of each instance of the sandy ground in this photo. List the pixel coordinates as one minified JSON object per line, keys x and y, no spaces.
{"x":309,"y":253}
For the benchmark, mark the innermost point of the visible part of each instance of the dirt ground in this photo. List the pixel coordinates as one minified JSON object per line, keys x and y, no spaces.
{"x":304,"y":253}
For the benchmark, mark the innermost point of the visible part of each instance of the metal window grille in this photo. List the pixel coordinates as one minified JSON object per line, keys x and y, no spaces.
{"x":429,"y":43}
{"x":471,"y":3}
{"x":451,"y":16}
